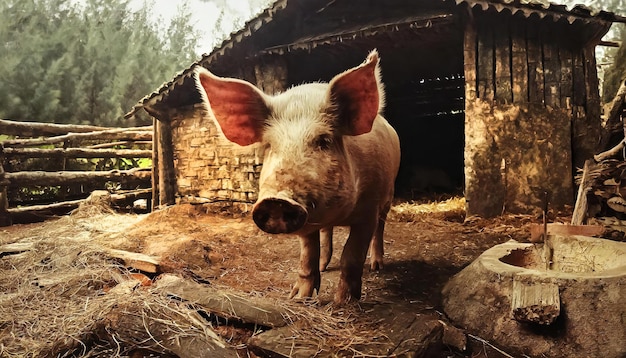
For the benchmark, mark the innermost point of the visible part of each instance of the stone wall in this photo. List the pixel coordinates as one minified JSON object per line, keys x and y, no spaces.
{"x":208,"y":167}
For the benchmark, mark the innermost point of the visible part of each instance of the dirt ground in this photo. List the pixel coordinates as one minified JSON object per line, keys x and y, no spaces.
{"x":425,"y":244}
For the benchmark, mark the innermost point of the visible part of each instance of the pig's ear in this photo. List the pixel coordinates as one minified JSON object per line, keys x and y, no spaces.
{"x":238,"y":107}
{"x":357,"y":96}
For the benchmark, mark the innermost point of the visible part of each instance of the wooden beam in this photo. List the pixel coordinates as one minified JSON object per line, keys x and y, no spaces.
{"x":37,"y":129}
{"x":137,"y":133}
{"x":58,"y":178}
{"x":77,"y":153}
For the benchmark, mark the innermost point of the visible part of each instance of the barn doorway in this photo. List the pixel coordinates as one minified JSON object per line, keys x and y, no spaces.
{"x":425,"y":87}
{"x":422,"y":70}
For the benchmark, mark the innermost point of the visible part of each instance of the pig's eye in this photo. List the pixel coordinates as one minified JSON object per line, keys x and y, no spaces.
{"x":324,"y":142}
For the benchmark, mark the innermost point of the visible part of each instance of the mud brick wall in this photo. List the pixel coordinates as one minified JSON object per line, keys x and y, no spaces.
{"x":532,"y":112}
{"x":208,"y":167}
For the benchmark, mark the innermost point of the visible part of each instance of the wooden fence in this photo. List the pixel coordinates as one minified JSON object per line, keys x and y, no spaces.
{"x":67,"y":162}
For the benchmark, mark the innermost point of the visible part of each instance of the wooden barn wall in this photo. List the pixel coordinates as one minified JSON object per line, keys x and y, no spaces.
{"x":532,"y":113}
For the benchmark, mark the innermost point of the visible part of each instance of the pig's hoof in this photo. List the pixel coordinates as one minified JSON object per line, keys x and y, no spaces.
{"x":324,"y":265}
{"x":347,"y":293}
{"x":376,"y":265}
{"x":305,"y":286}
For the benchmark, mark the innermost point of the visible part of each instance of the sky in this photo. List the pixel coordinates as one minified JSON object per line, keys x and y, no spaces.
{"x":205,"y":14}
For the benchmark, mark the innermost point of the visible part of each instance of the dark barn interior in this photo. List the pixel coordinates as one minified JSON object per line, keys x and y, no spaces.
{"x":422,"y":70}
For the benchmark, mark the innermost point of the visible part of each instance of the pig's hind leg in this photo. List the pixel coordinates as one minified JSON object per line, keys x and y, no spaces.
{"x":376,"y":246}
{"x":326,"y":247}
{"x":309,"y":273}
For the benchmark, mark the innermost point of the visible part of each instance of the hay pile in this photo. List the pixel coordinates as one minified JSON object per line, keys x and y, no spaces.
{"x":64,"y":295}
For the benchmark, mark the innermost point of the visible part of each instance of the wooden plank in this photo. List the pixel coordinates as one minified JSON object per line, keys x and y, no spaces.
{"x":502,"y":44}
{"x":519,"y":61}
{"x":535,"y":65}
{"x":535,"y":302}
{"x":567,"y":82}
{"x":578,"y":79}
{"x":16,"y":248}
{"x":551,"y":70}
{"x":136,"y":260}
{"x":222,"y":303}
{"x":486,"y":69}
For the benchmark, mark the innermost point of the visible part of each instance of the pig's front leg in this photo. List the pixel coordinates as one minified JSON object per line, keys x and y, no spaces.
{"x":309,"y":273}
{"x":352,"y":260}
{"x":326,"y":247}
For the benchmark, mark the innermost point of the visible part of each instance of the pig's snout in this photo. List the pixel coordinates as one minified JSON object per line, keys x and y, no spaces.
{"x":279,"y":216}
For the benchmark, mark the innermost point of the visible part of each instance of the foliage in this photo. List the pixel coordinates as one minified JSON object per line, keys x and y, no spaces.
{"x":87,"y":64}
{"x":616,"y":73}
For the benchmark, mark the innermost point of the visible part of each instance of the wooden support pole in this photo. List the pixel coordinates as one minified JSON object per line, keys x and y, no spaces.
{"x":5,"y":217}
{"x":167,"y":178}
{"x":580,"y":209}
{"x":155,"y":166}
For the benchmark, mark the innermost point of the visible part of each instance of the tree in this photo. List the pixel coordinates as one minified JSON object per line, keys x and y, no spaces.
{"x":616,"y":73}
{"x":64,"y":63}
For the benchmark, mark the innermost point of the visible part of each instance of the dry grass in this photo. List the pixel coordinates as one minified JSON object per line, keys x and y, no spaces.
{"x":61,"y":294}
{"x":414,"y":211}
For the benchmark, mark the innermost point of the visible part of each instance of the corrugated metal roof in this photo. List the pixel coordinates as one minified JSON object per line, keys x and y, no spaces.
{"x":527,"y":8}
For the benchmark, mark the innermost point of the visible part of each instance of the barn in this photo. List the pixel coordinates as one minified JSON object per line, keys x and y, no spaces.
{"x":497,"y":97}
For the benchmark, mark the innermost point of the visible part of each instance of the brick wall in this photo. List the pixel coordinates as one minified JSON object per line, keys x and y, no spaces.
{"x":208,"y":167}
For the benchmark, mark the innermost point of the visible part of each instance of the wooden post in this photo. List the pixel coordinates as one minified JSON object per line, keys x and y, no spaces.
{"x":167,"y":177}
{"x":5,"y":217}
{"x":155,"y":164}
{"x":580,"y":209}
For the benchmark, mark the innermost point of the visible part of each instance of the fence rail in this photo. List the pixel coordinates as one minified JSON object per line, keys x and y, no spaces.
{"x":45,"y":155}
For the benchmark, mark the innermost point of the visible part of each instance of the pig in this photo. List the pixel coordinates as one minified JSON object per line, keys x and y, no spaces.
{"x":331,"y":159}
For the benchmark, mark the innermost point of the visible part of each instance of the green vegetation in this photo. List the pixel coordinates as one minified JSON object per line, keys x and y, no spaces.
{"x":88,"y":64}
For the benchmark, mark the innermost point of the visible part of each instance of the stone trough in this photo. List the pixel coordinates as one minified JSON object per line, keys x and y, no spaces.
{"x":565,"y":298}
